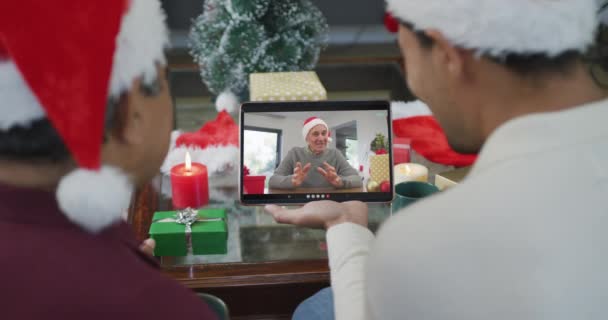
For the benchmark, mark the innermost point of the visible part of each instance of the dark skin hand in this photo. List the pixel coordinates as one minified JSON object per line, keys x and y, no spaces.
{"x":148,"y":246}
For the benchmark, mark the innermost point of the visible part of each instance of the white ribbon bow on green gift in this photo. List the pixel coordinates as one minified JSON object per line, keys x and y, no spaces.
{"x":188,"y":217}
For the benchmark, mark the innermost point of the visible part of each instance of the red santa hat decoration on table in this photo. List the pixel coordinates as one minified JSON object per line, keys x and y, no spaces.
{"x":63,"y":60}
{"x":313,"y":122}
{"x":414,"y":121}
{"x":215,"y":145}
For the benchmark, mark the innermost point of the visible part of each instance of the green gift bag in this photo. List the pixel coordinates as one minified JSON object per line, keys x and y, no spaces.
{"x":208,"y":234}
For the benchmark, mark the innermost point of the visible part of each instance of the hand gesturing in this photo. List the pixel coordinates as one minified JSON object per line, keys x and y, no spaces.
{"x":299,"y":174}
{"x":329,"y":173}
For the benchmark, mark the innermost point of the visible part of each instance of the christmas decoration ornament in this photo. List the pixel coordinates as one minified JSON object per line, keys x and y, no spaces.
{"x":233,"y":38}
{"x":391,"y":24}
{"x":500,"y":27}
{"x":227,"y":101}
{"x":379,"y":167}
{"x":189,"y":184}
{"x":385,"y":186}
{"x":190,"y":231}
{"x":120,"y":41}
{"x":286,"y":86}
{"x":373,"y":186}
{"x":380,"y":152}
{"x":379,"y":143}
{"x":254,"y":184}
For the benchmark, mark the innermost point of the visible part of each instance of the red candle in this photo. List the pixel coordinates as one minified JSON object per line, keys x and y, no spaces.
{"x":189,"y":185}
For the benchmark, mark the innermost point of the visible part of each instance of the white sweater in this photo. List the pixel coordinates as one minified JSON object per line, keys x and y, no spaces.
{"x":524,"y":237}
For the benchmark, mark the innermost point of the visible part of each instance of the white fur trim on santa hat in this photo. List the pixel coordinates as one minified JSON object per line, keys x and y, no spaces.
{"x":311,"y":124}
{"x":227,"y":101}
{"x":19,"y":107}
{"x":401,"y":109}
{"x":140,"y":45}
{"x":106,"y":196}
{"x":498,"y":27}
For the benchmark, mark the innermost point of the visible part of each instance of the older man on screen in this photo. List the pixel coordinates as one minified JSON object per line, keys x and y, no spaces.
{"x":316,"y":165}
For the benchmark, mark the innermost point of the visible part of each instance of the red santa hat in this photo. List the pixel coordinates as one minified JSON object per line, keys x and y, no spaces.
{"x":215,"y":145}
{"x":497,"y":27}
{"x":63,"y":60}
{"x":313,"y":122}
{"x":414,"y":122}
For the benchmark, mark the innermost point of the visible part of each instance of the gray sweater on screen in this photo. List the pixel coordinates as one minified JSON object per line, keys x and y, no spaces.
{"x":281,"y":179}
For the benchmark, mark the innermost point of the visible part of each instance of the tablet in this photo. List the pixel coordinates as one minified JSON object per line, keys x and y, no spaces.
{"x":297,"y":152}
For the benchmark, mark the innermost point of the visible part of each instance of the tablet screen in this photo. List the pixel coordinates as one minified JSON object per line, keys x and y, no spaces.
{"x":296,"y":152}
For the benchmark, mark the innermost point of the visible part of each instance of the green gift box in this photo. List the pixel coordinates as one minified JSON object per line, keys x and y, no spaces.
{"x":209,"y":233}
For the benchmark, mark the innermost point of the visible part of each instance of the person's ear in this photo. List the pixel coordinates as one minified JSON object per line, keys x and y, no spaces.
{"x":447,"y":56}
{"x":130,"y":118}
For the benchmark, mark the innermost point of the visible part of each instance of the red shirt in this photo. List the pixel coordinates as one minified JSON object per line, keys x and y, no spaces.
{"x":52,"y":269}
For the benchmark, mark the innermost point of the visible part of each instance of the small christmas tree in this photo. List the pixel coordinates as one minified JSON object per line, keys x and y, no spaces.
{"x":233,"y":38}
{"x":379,"y":143}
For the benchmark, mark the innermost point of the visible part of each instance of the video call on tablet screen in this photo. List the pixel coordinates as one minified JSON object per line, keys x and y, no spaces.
{"x":297,"y":152}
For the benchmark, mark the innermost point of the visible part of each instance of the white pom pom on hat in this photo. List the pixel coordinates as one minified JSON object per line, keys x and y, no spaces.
{"x":101,"y":203}
{"x":498,"y":27}
{"x":227,"y":101}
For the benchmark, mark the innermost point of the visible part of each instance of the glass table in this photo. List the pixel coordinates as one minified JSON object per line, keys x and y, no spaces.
{"x":257,"y":246}
{"x":253,"y":236}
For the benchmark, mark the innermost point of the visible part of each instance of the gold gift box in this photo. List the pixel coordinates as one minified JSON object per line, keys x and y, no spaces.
{"x":286,"y":86}
{"x":379,"y":168}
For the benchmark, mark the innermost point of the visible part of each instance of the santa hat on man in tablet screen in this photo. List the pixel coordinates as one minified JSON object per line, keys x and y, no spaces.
{"x":313,"y":122}
{"x":62,"y":64}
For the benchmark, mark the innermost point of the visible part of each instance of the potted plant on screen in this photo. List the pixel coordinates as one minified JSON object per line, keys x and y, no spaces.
{"x":252,"y":184}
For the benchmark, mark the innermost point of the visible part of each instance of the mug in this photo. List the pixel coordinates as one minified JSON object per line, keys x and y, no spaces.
{"x":408,"y":192}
